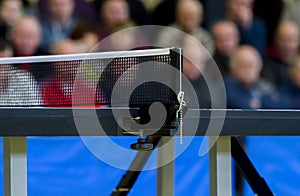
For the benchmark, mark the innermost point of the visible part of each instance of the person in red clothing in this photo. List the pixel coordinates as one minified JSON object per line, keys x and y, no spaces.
{"x":58,"y":92}
{"x":67,"y":87}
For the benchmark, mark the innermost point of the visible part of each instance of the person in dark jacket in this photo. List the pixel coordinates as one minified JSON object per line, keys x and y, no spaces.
{"x":292,"y":88}
{"x":244,"y":87}
{"x":247,"y":90}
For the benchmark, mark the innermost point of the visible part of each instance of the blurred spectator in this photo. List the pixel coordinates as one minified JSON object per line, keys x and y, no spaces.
{"x":287,"y":41}
{"x":194,"y":58}
{"x":123,"y":40}
{"x":17,"y":87}
{"x":189,"y":14}
{"x":226,"y":40}
{"x":286,"y":45}
{"x":114,"y":13}
{"x":123,"y":37}
{"x":83,"y":9}
{"x":67,"y":87}
{"x":215,"y":10}
{"x":137,"y":10}
{"x":164,"y":13}
{"x":10,"y":12}
{"x":292,"y":88}
{"x":194,"y":66}
{"x":26,"y":38}
{"x":245,"y":89}
{"x":190,"y":36}
{"x":251,"y":29}
{"x":60,"y":23}
{"x":82,"y":39}
{"x":291,"y":11}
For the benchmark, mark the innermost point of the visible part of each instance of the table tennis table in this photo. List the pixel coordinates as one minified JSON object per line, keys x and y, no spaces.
{"x":153,"y":75}
{"x":18,"y":123}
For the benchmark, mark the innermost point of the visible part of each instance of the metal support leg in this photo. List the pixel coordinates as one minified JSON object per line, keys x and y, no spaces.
{"x":256,"y":182}
{"x":220,"y":167}
{"x":165,"y":174}
{"x":15,"y":166}
{"x":130,"y":177}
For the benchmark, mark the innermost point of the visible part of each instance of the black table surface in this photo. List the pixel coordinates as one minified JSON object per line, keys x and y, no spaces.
{"x":60,"y":122}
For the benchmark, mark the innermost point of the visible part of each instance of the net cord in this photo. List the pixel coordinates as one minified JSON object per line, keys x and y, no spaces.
{"x":84,"y":56}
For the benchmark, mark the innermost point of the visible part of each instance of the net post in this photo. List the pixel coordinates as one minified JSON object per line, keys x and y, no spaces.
{"x":15,"y":166}
{"x":177,"y":61}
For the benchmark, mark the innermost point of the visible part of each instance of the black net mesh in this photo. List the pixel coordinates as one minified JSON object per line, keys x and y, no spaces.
{"x":87,"y":80}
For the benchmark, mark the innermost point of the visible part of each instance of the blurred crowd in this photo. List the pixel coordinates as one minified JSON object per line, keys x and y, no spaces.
{"x":255,"y":44}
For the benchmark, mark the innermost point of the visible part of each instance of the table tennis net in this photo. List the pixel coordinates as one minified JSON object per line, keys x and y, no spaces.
{"x":88,"y":79}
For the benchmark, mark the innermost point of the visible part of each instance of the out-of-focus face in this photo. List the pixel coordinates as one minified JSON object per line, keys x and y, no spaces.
{"x":11,"y":11}
{"x":26,"y":36}
{"x":226,"y":37}
{"x":237,"y":6}
{"x":246,"y":65}
{"x":61,"y":10}
{"x":287,"y":39}
{"x":189,"y":16}
{"x":115,"y":12}
{"x":241,"y":12}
